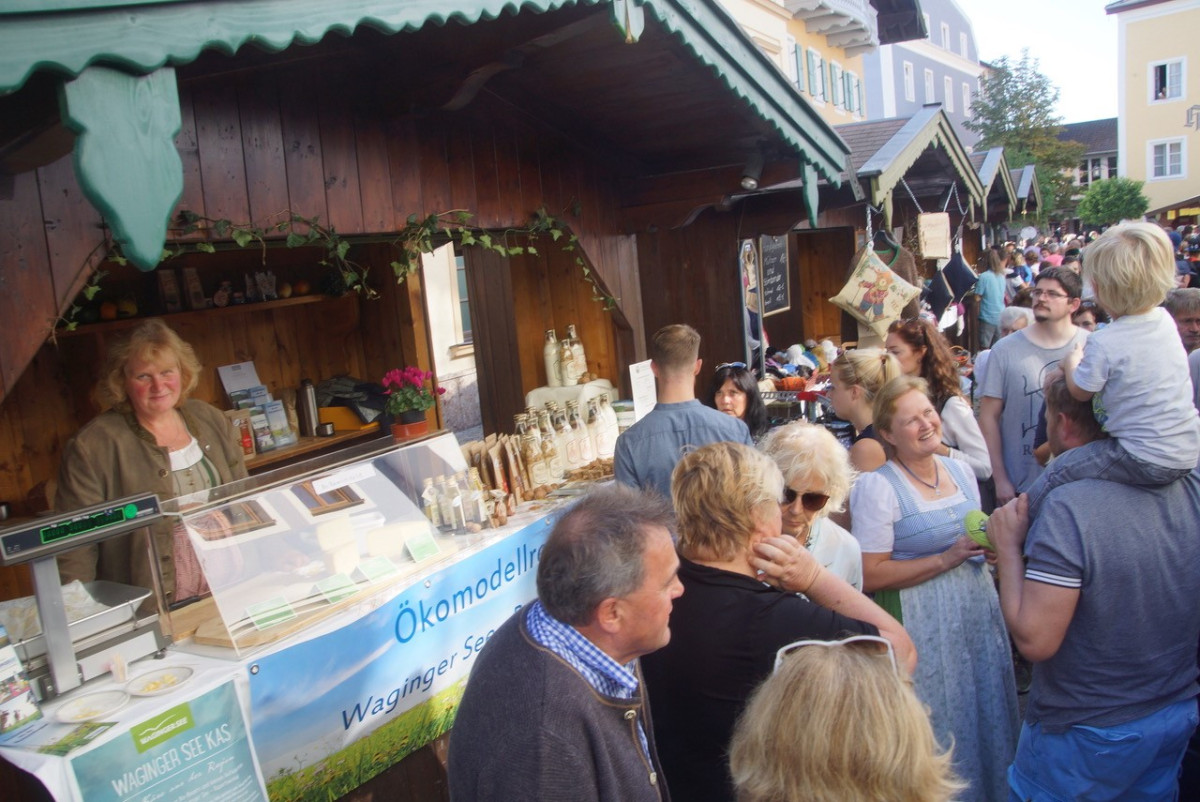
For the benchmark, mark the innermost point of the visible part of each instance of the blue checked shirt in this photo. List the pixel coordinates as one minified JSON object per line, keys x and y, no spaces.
{"x":604,"y":674}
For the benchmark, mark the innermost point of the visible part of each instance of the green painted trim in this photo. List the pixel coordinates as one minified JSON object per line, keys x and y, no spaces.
{"x":10,"y":7}
{"x":716,"y":39}
{"x":125,"y":156}
{"x":142,"y":38}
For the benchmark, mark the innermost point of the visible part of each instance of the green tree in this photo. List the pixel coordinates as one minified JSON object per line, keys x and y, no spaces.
{"x":1015,"y":110}
{"x":1111,"y":201}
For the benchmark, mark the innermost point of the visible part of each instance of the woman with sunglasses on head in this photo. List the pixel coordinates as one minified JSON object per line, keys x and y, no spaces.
{"x":836,"y":722}
{"x":817,"y":477}
{"x":922,"y":351}
{"x":734,"y":391}
{"x":855,"y":378}
{"x":729,"y":622}
{"x":910,"y":520}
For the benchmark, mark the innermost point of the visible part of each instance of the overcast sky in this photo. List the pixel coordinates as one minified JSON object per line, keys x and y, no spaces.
{"x":1074,"y":41}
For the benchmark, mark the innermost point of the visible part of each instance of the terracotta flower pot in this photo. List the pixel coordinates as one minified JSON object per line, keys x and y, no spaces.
{"x":405,"y":431}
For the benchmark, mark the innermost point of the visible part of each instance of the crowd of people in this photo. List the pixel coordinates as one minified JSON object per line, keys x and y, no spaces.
{"x":759,"y":614}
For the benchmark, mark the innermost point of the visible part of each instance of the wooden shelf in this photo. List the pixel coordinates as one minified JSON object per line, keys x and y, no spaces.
{"x":216,"y":311}
{"x":309,"y":445}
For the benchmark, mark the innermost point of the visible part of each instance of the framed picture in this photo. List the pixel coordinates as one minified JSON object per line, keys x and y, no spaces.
{"x":168,"y":290}
{"x":316,"y":503}
{"x":195,"y":292}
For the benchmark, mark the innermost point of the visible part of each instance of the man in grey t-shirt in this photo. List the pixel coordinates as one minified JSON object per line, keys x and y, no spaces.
{"x":648,"y":451}
{"x":1106,"y":609}
{"x":1017,"y":367}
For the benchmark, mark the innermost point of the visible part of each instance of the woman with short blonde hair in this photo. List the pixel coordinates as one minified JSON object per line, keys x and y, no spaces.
{"x":729,"y":622}
{"x":838,"y":724}
{"x":727,"y":492}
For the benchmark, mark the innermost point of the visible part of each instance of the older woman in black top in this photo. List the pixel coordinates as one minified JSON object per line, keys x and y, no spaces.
{"x":728,"y":624}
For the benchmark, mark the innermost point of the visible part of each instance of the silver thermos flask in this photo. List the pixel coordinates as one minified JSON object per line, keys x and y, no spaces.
{"x":306,"y":401}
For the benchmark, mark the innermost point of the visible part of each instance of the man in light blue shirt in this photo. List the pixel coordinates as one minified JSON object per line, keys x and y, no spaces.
{"x":648,"y":451}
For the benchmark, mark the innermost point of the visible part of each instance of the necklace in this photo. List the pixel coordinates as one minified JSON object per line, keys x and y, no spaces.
{"x":936,"y":487}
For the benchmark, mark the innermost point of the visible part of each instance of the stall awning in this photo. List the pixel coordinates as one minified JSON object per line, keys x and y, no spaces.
{"x":1029,"y":192}
{"x":665,"y":87}
{"x":923,"y":150}
{"x":1182,"y":208}
{"x":992,"y":168}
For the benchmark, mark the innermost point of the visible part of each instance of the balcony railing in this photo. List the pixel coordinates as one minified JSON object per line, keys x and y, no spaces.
{"x":848,"y":24}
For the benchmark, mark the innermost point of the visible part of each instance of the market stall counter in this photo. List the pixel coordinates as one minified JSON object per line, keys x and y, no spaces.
{"x":335,"y":636}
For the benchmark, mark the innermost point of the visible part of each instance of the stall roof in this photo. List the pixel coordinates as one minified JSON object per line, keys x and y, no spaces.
{"x":668,"y":85}
{"x":992,"y":165}
{"x":1188,"y":203}
{"x":886,"y":151}
{"x":1029,"y":192}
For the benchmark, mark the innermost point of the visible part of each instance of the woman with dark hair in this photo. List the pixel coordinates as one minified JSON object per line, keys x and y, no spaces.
{"x":922,"y":351}
{"x":734,"y":391}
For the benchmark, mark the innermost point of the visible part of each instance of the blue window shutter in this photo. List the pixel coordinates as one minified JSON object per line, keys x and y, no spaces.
{"x":797,"y":56}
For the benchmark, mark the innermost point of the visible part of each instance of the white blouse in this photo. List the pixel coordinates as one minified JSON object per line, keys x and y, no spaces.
{"x":960,"y":431}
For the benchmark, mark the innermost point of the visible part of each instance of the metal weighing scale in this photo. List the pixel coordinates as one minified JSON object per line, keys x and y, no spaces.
{"x":66,"y":655}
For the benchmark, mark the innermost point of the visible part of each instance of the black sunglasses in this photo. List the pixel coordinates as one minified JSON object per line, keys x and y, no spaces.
{"x":739,"y":365}
{"x":813,"y":502}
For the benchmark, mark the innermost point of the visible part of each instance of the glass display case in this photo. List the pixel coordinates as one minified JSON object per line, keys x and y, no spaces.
{"x":281,"y":551}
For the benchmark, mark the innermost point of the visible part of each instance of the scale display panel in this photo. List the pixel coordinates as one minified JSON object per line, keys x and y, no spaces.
{"x":58,"y":533}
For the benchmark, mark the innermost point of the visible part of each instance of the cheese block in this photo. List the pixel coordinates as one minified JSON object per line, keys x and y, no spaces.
{"x":335,"y":533}
{"x":385,"y":541}
{"x":343,"y":559}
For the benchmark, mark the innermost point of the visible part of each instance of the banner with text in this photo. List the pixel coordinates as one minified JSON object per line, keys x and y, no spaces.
{"x":197,"y":751}
{"x":332,"y":712}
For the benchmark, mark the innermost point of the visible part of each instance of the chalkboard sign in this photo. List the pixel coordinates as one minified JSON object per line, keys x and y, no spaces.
{"x":776,"y":290}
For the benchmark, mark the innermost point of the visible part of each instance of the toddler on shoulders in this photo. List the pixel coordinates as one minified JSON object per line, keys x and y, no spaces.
{"x":1133,"y":371}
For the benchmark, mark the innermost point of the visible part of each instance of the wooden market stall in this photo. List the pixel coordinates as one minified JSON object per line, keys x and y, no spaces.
{"x":578,"y":137}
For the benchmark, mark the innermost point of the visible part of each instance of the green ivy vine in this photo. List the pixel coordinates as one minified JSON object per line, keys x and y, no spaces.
{"x":420,"y":235}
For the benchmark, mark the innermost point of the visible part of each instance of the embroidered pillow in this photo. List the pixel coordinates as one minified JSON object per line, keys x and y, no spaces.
{"x":874,"y":294}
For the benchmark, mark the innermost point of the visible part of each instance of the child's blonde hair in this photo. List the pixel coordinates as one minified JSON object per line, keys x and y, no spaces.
{"x":1132,"y":268}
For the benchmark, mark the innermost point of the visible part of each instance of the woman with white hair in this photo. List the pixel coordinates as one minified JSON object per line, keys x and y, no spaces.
{"x":817,"y":477}
{"x":1013,"y":318}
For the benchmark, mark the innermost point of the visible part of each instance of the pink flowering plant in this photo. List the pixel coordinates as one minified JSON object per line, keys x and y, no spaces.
{"x":409,"y":389}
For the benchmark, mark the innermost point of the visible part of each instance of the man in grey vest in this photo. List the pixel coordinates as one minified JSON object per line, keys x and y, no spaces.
{"x":555,"y":707}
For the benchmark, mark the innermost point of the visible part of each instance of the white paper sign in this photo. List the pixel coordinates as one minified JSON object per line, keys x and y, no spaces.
{"x":350,"y":475}
{"x":241,"y":376}
{"x":645,"y":394}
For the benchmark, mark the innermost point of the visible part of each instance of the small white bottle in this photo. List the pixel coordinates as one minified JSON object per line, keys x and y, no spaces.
{"x":551,"y":353}
{"x":429,"y":503}
{"x":568,"y":444}
{"x":567,"y":364}
{"x":581,"y":365}
{"x":587,"y":446}
{"x":598,"y":426}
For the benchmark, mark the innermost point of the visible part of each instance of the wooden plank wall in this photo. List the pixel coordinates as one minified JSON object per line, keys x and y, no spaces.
{"x":822,"y":257}
{"x":679,"y":286}
{"x":252,"y":148}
